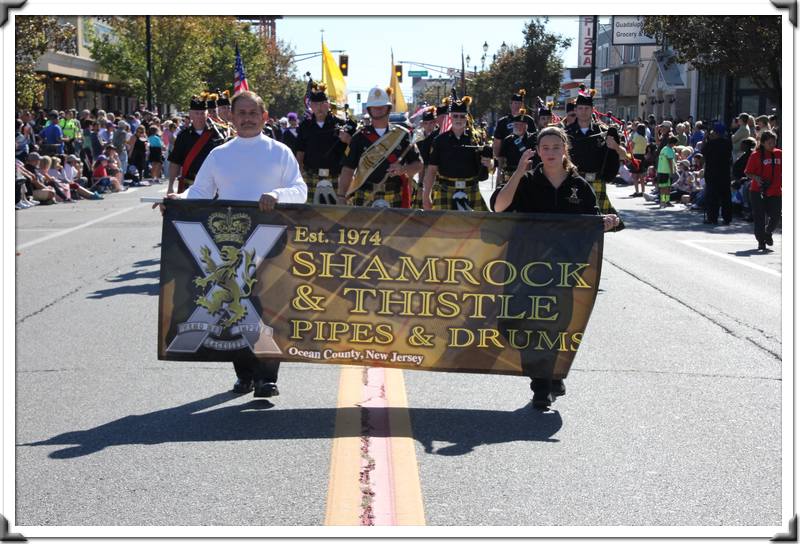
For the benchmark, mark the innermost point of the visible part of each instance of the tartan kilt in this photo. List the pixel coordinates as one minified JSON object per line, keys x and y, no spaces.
{"x":416,"y":195}
{"x":443,"y":191}
{"x":392,"y":194}
{"x":311,"y":180}
{"x":603,"y":203}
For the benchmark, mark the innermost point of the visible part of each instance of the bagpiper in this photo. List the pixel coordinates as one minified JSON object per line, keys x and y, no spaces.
{"x":504,"y":125}
{"x":213,"y":114}
{"x":545,"y":114}
{"x":429,"y":131}
{"x":457,"y":164}
{"x":515,"y":144}
{"x":192,"y":145}
{"x":595,"y":150}
{"x":320,"y":148}
{"x":569,"y":114}
{"x":222,"y":115}
{"x":378,"y":157}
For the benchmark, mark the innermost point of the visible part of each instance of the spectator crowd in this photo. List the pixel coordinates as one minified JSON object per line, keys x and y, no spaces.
{"x":721,"y":170}
{"x":725,"y":171}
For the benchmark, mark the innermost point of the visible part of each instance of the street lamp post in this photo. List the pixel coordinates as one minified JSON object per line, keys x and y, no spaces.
{"x":463,"y":74}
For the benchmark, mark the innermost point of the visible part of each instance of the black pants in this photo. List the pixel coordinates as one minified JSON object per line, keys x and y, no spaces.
{"x":248,"y":367}
{"x":718,"y":194}
{"x":86,"y":161}
{"x":766,"y":214}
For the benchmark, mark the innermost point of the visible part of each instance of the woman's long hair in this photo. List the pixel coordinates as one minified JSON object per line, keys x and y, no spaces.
{"x":559,"y":132}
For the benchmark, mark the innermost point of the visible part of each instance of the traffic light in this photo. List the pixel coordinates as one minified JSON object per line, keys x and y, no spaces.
{"x":358,"y":98}
{"x":398,"y":71}
{"x":343,"y":64}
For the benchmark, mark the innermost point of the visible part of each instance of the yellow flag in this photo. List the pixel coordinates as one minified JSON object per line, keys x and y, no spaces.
{"x":333,"y":78}
{"x":398,"y":102}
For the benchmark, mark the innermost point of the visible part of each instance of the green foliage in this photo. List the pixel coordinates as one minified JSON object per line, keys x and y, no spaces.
{"x":178,"y":56}
{"x":535,"y":66}
{"x":737,"y":45}
{"x":34,"y":36}
{"x":278,"y":84}
{"x":223,"y":35}
{"x":195,"y":54}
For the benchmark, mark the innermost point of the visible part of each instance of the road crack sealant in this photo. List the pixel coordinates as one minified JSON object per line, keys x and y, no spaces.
{"x":376,"y":480}
{"x":115,"y":270}
{"x":697,"y":311}
{"x":367,"y":515}
{"x":50,"y":304}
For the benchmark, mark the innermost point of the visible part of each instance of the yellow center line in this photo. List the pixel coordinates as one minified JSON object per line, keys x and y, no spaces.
{"x":407,"y":489}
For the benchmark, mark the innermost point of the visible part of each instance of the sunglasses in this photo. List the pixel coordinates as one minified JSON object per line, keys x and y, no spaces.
{"x":457,"y":116}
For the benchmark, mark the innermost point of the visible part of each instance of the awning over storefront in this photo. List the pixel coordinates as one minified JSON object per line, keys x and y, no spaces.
{"x":668,"y":68}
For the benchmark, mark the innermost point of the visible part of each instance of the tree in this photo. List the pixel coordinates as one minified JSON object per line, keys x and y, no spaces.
{"x":224,"y":33}
{"x":269,"y":67}
{"x":280,"y":87}
{"x":35,"y":35}
{"x":733,"y":45}
{"x":541,"y":64}
{"x":195,"y":54}
{"x":535,"y":66}
{"x":179,"y":53}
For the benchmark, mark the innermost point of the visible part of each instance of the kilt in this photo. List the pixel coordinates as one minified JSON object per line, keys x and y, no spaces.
{"x":444,"y":190}
{"x":311,"y":179}
{"x":416,"y":195}
{"x":392,"y":194}
{"x":184,"y":183}
{"x":603,"y":203}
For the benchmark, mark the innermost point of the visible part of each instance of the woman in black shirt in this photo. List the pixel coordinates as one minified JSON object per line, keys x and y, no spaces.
{"x":553,"y":186}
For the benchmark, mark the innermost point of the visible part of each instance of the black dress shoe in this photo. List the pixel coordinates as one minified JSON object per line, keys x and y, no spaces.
{"x":768,"y":239}
{"x":762,"y":246}
{"x":265,"y":389}
{"x":242,"y":386}
{"x":558,"y":388}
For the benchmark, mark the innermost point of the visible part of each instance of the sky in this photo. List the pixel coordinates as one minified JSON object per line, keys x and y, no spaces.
{"x":369,"y":42}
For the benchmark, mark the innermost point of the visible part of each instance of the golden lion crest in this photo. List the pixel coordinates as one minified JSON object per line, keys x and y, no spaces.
{"x":229,"y":294}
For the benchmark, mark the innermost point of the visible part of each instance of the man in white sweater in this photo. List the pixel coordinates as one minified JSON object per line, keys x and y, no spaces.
{"x":251,"y":167}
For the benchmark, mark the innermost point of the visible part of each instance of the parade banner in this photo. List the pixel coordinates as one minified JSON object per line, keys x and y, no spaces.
{"x":443,"y":291}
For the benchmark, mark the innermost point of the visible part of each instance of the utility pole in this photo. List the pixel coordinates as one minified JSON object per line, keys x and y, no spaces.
{"x":149,"y":46}
{"x":594,"y":51}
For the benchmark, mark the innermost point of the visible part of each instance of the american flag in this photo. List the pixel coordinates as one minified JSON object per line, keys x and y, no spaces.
{"x":239,"y":79}
{"x":446,"y":124}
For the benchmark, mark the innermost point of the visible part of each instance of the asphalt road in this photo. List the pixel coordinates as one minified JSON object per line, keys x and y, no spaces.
{"x":672,"y":417}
